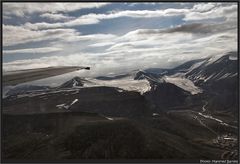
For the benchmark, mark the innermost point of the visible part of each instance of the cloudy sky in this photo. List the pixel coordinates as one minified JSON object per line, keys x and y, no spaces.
{"x":115,"y":37}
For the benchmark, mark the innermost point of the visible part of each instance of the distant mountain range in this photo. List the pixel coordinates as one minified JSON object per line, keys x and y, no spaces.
{"x":213,"y":79}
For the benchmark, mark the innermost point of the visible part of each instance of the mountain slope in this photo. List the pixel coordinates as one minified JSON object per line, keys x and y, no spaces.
{"x":75,"y":82}
{"x":219,"y":80}
{"x":211,"y":71}
{"x":166,"y":95}
{"x":24,"y":89}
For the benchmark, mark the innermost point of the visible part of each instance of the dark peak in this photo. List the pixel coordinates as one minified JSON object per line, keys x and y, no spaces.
{"x":188,"y":64}
{"x":140,"y":75}
{"x":74,"y":82}
{"x":78,"y":78}
{"x":229,"y":57}
{"x":23,"y":89}
{"x":225,"y":57}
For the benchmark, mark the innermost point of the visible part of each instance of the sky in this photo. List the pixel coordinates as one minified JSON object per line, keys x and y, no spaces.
{"x":115,"y":37}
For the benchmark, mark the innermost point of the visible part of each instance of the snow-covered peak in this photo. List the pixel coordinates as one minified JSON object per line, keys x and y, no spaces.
{"x":128,"y":84}
{"x":183,"y":83}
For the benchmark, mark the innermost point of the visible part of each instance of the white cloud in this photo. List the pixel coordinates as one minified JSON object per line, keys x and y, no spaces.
{"x":160,"y":45}
{"x":13,"y":35}
{"x":69,"y":40}
{"x":200,"y":11}
{"x":141,"y":48}
{"x":139,"y":13}
{"x":56,"y":17}
{"x":101,"y":44}
{"x":33,"y":50}
{"x":96,"y":18}
{"x":204,"y":7}
{"x":157,"y":50}
{"x":210,"y":11}
{"x":20,"y":9}
{"x":136,"y":49}
{"x":74,"y":22}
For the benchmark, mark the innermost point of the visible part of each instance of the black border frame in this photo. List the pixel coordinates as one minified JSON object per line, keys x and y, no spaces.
{"x":120,"y":160}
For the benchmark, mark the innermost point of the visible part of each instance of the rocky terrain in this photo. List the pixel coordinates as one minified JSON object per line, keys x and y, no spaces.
{"x":188,"y":112}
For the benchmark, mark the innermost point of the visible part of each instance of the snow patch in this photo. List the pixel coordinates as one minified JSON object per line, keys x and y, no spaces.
{"x":224,"y":76}
{"x":209,"y":77}
{"x":214,"y":59}
{"x":183,"y":83}
{"x":62,"y":106}
{"x":233,"y":58}
{"x":74,"y":101}
{"x":218,"y":120}
{"x":235,"y":74}
{"x":127,"y":83}
{"x":119,"y":90}
{"x":65,"y":106}
{"x":75,"y":83}
{"x":210,"y":117}
{"x":109,"y":118}
{"x":194,"y":66}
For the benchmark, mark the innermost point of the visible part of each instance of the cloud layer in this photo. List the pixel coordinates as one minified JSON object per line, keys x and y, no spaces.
{"x":202,"y":29}
{"x":23,"y":9}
